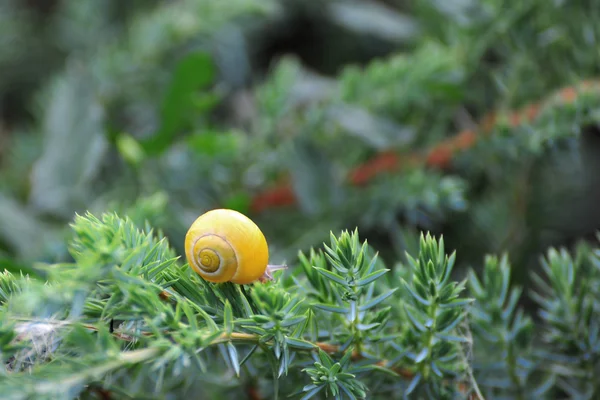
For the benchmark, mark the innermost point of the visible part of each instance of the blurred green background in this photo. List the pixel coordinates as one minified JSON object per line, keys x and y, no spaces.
{"x":161,"y":110}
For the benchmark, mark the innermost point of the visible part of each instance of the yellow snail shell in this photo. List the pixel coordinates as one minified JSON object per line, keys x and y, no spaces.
{"x":226,"y":246}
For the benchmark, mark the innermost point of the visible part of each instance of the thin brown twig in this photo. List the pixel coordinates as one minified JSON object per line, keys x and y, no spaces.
{"x":326,"y":347}
{"x":248,"y":337}
{"x":439,"y":156}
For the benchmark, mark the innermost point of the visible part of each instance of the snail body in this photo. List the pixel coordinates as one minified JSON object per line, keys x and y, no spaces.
{"x":224,"y":245}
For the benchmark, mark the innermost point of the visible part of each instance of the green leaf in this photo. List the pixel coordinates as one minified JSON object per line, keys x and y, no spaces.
{"x":217,"y":143}
{"x":367,"y":327}
{"x":313,"y":328}
{"x":452,"y":338}
{"x":414,"y":294}
{"x":475,"y":284}
{"x":194,"y":72}
{"x":292,"y":321}
{"x":255,"y":329}
{"x":209,"y":321}
{"x":347,"y":390}
{"x":134,"y":259}
{"x":337,"y":265}
{"x":228,"y":318}
{"x":130,"y":149}
{"x":312,"y":391}
{"x":239,"y":202}
{"x":413,"y":384}
{"x":414,"y":320}
{"x":372,"y":264}
{"x":326,"y":361}
{"x":233,"y":356}
{"x":154,"y":271}
{"x":457,"y":303}
{"x":244,"y":300}
{"x":331,"y":308}
{"x":374,"y":302}
{"x":332,"y":276}
{"x":247,"y":357}
{"x":299,"y":343}
{"x":371,"y":277}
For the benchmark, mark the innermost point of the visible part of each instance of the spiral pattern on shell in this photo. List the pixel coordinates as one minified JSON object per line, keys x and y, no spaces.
{"x":213,"y":258}
{"x":209,"y":260}
{"x":226,"y":246}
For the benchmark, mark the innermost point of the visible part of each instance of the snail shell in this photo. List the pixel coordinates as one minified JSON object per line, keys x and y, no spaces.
{"x":226,"y":246}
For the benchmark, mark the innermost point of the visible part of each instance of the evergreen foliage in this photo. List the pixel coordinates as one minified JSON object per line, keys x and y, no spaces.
{"x":460,"y":137}
{"x":128,"y":317}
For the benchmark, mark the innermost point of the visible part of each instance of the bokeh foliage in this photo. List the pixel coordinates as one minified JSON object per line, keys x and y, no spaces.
{"x":197,"y":105}
{"x":128,"y":318}
{"x":160,"y":110}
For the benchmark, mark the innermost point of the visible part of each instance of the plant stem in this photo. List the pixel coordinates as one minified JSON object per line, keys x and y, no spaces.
{"x":511,"y":360}
{"x":429,"y":339}
{"x":142,"y":355}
